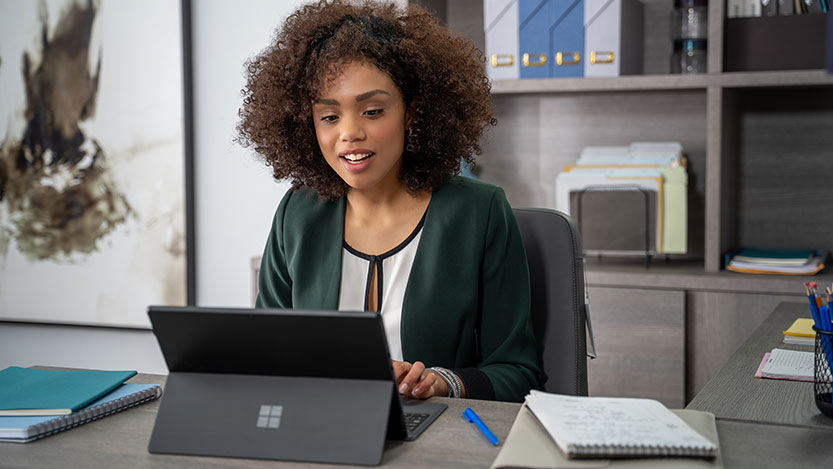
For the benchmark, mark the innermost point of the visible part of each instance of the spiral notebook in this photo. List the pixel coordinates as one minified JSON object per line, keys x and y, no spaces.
{"x":608,"y":427}
{"x":29,"y":428}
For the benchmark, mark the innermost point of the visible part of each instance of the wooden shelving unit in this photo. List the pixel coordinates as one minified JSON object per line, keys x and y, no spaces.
{"x":760,"y":150}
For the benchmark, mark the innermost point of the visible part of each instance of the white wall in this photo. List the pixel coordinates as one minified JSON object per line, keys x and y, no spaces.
{"x":80,"y":347}
{"x":235,"y":194}
{"x":235,"y":198}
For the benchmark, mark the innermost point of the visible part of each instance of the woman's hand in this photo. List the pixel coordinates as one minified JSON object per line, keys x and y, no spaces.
{"x":417,"y":382}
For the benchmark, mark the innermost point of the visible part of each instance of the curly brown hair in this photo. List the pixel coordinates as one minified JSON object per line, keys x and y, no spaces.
{"x":440,"y":75}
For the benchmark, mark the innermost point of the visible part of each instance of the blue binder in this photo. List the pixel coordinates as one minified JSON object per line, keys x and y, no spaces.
{"x":567,"y":38}
{"x":551,"y":38}
{"x":533,"y":38}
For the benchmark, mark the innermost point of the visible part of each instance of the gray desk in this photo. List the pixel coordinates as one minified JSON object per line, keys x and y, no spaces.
{"x":765,"y":422}
{"x":755,"y":429}
{"x":733,"y":393}
{"x":121,"y":440}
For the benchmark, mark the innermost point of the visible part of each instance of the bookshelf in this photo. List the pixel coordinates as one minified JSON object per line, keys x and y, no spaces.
{"x":760,"y":148}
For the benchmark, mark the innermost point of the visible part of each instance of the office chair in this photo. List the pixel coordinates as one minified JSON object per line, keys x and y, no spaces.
{"x":556,"y":272}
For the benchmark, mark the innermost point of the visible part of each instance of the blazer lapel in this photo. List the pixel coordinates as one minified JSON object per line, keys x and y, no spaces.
{"x":331,"y":257}
{"x":318,"y":287}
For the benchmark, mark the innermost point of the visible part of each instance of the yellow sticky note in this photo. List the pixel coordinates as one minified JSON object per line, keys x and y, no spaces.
{"x":802,"y":327}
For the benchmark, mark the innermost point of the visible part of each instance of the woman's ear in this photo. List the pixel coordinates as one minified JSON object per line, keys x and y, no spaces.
{"x":409,"y":114}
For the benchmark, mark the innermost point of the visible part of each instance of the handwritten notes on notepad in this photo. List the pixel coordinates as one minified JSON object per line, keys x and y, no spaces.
{"x":786,"y":364}
{"x":591,"y":427}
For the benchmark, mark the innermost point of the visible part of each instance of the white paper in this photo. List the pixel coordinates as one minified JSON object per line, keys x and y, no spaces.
{"x":789,"y":363}
{"x":613,"y":423}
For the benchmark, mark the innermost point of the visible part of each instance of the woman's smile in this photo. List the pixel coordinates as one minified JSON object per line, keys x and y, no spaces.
{"x":356,"y":160}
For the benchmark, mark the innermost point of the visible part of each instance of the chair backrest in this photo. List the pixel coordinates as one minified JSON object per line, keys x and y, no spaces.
{"x":556,"y":272}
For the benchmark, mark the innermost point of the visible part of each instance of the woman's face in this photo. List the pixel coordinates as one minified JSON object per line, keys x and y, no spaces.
{"x":360,"y":125}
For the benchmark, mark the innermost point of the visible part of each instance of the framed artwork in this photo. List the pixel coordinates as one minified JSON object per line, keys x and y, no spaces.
{"x":96,"y":207}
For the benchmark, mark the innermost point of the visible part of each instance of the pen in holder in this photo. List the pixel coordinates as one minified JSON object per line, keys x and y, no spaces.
{"x":822,"y":386}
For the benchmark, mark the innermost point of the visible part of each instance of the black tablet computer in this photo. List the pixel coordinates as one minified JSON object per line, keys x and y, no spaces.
{"x":280,"y":384}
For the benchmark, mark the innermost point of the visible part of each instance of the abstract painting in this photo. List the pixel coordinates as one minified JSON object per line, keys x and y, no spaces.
{"x":92,"y":161}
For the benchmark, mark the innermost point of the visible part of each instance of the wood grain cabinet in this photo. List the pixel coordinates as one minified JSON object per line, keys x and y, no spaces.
{"x":640,"y":344}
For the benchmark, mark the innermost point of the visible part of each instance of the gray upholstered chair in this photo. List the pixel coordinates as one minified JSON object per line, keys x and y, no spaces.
{"x":556,"y":271}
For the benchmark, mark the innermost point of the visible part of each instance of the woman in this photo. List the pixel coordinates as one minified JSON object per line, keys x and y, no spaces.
{"x":368,"y":110}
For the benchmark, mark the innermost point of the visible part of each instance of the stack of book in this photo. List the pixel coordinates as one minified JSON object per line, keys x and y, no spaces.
{"x":800,"y":333}
{"x":35,"y":403}
{"x":776,"y":261}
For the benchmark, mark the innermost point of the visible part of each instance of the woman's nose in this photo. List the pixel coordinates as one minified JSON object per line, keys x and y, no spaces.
{"x":351,"y":129}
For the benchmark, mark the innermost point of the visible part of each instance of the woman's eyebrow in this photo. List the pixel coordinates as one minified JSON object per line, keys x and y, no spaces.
{"x":361,"y":97}
{"x":327,"y":102}
{"x":370,"y":94}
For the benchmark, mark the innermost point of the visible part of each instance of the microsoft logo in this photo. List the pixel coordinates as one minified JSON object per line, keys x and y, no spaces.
{"x":269,"y":416}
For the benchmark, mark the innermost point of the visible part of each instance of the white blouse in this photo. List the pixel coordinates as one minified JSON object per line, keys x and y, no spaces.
{"x":392,"y":271}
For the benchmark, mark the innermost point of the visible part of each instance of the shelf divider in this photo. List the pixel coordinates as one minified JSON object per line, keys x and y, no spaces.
{"x":715,"y":36}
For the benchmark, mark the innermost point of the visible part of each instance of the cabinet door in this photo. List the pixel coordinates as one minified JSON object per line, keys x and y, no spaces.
{"x":719,"y":323}
{"x":640,"y":343}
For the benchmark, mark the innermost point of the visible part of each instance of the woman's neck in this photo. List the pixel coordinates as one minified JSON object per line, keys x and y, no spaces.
{"x":382,"y":200}
{"x":375,"y":222}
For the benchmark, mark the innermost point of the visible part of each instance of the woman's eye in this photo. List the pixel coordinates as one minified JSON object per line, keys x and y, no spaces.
{"x":374,"y":112}
{"x":328,"y":119}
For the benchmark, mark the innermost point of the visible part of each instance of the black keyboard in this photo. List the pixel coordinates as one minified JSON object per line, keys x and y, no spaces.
{"x":412,"y":420}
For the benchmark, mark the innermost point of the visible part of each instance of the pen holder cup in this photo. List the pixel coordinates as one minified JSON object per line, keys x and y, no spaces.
{"x":823,"y":363}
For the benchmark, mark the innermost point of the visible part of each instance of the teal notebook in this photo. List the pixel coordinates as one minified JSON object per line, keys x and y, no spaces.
{"x":26,"y":429}
{"x":27,"y":391}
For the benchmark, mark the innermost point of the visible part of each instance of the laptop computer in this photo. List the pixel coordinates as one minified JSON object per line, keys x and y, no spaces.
{"x":280,"y":384}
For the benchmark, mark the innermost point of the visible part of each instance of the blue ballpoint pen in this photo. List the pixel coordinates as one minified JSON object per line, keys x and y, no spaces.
{"x":472,"y":417}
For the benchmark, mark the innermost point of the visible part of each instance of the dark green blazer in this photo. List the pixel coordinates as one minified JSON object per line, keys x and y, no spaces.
{"x":466,"y":305}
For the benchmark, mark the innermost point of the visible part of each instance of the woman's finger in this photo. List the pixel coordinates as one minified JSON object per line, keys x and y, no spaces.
{"x":425,"y":388}
{"x":412,"y":377}
{"x":400,"y":369}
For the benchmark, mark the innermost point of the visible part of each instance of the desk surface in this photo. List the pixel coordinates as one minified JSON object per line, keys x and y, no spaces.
{"x":761,"y":423}
{"x":734,"y":393}
{"x":121,"y":440}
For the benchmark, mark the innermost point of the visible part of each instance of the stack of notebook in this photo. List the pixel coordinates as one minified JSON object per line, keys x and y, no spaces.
{"x":37,"y":403}
{"x":801,"y":333}
{"x":776,"y":261}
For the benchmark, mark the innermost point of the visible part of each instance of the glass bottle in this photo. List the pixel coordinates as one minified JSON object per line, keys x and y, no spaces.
{"x":689,"y":33}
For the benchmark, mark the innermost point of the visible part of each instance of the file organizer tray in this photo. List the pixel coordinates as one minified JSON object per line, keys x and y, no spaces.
{"x":616,"y":220}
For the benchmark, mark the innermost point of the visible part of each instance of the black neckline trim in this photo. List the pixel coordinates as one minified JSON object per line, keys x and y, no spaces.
{"x":391,"y":252}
